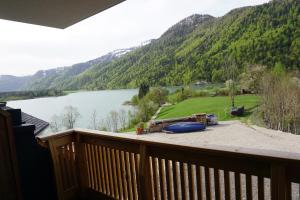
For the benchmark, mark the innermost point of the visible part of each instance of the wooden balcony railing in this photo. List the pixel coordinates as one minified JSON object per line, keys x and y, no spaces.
{"x":98,"y":165}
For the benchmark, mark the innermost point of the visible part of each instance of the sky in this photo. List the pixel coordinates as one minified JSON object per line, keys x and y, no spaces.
{"x":26,"y":48}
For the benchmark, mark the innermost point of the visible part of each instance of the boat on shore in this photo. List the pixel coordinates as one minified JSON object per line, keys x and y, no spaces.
{"x":184,"y":127}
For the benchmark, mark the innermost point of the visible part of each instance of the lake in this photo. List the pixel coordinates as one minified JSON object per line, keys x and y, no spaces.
{"x":86,"y":102}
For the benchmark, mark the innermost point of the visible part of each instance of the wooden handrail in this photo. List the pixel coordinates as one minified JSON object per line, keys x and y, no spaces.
{"x":140,"y":167}
{"x":235,"y":151}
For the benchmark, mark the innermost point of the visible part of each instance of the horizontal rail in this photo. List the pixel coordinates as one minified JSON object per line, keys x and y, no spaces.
{"x":207,"y":149}
{"x":122,"y":166}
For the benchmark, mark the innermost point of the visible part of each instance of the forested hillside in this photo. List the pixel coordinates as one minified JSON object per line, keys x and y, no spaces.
{"x":12,"y":83}
{"x":58,"y":78}
{"x":199,"y":47}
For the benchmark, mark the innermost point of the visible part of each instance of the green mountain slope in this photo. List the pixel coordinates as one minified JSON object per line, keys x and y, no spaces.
{"x":200,"y":46}
{"x":197,"y":48}
{"x":61,"y":78}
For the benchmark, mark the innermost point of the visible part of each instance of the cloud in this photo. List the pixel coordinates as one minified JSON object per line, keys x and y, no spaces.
{"x":27,"y":48}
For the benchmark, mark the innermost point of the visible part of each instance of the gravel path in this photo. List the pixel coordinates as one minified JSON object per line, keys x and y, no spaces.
{"x":233,"y":134}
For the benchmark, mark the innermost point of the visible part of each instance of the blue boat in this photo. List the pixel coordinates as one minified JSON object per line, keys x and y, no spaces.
{"x":184,"y":127}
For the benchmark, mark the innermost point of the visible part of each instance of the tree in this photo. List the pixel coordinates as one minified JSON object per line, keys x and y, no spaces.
{"x":250,"y":79}
{"x":103,"y":125}
{"x":146,"y":109}
{"x":94,"y":124}
{"x":135,"y":100}
{"x":143,"y":90}
{"x":232,"y":72}
{"x":70,"y":117}
{"x":55,"y":123}
{"x":122,"y":118}
{"x":280,"y":95}
{"x":112,"y":121}
{"x":158,"y":95}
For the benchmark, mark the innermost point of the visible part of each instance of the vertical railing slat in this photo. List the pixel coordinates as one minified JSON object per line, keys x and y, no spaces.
{"x":218,"y":194}
{"x":155,"y":177}
{"x":227,"y":184}
{"x":191,"y":183}
{"x":95,"y":171}
{"x":104,"y":154}
{"x":261,"y":188}
{"x":182,"y":180}
{"x":120,"y":175}
{"x":110,"y":174}
{"x":208,"y":183}
{"x":249,"y":186}
{"x":175,"y":179}
{"x":129,"y":175}
{"x":114,"y":167}
{"x":152,"y":176}
{"x":103,"y":176}
{"x":199,"y":182}
{"x":133,"y":175}
{"x":91,"y":166}
{"x":161,"y":178}
{"x":137,"y":175}
{"x":124,"y":173}
{"x":145,"y":179}
{"x":168,"y":179}
{"x":99,"y":180}
{"x":87,"y":164}
{"x":237,"y":185}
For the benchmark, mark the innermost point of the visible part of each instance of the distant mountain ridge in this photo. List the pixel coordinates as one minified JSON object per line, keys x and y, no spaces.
{"x":48,"y":78}
{"x":12,"y":83}
{"x":198,"y":47}
{"x":60,"y":77}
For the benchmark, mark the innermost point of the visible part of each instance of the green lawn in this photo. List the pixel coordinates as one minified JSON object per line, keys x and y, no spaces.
{"x":217,"y":105}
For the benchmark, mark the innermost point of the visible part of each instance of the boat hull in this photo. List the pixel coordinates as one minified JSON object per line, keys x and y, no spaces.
{"x":185,"y":127}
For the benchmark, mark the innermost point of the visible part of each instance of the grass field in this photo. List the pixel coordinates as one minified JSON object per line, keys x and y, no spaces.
{"x":216,"y":105}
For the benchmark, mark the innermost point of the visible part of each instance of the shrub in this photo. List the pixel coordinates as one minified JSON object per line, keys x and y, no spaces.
{"x":200,"y":93}
{"x":158,"y":95}
{"x":135,"y":100}
{"x":146,"y":109}
{"x":280,"y":101}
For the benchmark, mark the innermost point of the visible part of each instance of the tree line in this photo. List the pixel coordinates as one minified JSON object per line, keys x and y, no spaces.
{"x":6,"y":96}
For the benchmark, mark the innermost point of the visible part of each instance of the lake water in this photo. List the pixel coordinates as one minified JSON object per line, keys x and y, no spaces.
{"x":86,"y":102}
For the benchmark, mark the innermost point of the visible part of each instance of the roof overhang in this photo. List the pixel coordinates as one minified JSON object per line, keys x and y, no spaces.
{"x":52,"y":13}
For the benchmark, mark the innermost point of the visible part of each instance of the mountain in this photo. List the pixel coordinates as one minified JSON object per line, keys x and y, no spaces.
{"x":61,"y":77}
{"x":12,"y":83}
{"x":55,"y":78}
{"x":199,"y":47}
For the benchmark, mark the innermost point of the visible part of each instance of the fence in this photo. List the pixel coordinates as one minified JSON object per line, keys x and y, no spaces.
{"x":99,"y":165}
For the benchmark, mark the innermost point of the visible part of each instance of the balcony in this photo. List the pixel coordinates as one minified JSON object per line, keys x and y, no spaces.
{"x":100,"y":165}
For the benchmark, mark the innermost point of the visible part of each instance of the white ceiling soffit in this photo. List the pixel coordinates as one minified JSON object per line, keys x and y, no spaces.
{"x":52,"y":13}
